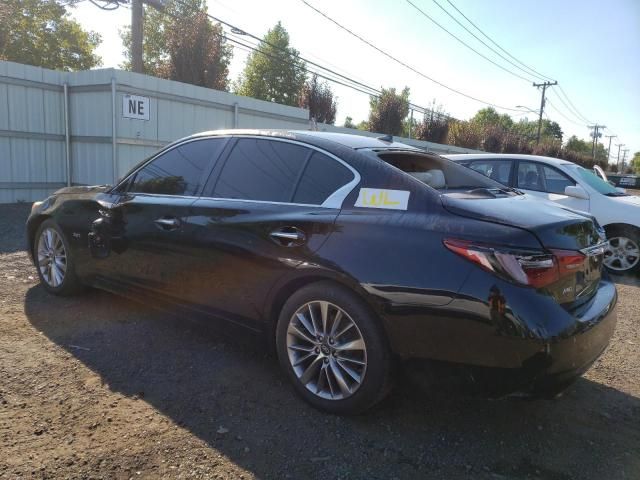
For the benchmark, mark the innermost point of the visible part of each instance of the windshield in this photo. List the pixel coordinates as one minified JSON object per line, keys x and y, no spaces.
{"x":596,"y":182}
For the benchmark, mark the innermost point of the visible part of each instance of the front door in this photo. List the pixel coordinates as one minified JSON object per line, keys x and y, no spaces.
{"x":548,"y":183}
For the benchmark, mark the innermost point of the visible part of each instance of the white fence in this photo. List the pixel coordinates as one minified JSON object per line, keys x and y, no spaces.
{"x":91,"y":127}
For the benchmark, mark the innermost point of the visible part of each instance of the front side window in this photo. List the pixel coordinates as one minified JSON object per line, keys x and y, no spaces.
{"x":258,"y":169}
{"x":178,"y":171}
{"x":555,"y":181}
{"x":596,"y":182}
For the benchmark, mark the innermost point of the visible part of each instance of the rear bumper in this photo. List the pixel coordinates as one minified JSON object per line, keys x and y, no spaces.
{"x":533,"y":345}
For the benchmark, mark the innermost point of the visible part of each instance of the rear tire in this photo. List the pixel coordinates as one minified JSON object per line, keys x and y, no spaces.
{"x":333,"y":349}
{"x":622,"y":256}
{"x":54,"y":262}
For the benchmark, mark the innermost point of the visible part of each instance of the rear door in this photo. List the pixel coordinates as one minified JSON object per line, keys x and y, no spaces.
{"x":547,"y":182}
{"x":269,"y":205}
{"x":147,"y":241}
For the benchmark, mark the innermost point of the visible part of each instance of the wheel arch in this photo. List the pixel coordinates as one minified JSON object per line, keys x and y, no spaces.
{"x":613,"y":226}
{"x":287,"y":287}
{"x":32,"y":228}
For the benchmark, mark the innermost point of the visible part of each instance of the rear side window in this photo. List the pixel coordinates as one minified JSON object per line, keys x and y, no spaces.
{"x":179,"y":171}
{"x":530,"y":176}
{"x":322,"y":176}
{"x":259,"y":169}
{"x":498,"y":170}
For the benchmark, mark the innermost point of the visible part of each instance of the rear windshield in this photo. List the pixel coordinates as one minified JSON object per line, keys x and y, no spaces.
{"x":437,"y":172}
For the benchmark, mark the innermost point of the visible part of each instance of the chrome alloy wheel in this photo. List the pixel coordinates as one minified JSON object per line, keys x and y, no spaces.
{"x":621,"y":254}
{"x":326,"y":350}
{"x":52,"y":257}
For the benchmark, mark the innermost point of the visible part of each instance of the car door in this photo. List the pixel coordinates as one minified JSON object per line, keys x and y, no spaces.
{"x":548,"y":183}
{"x":147,"y":236}
{"x":266,"y":209}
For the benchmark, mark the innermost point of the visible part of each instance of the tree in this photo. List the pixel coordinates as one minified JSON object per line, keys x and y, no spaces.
{"x":487,"y":117}
{"x":388,"y":111}
{"x":635,"y":163}
{"x":434,"y":126}
{"x":42,"y":33}
{"x":348,"y":123}
{"x":275,"y":72}
{"x":464,"y":134}
{"x":181,"y":43}
{"x":317,"y":97}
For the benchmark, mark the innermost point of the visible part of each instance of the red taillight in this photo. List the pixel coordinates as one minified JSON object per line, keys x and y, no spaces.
{"x":536,"y":269}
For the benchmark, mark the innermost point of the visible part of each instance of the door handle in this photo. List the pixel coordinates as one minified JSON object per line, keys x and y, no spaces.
{"x":288,"y":236}
{"x":167,"y":223}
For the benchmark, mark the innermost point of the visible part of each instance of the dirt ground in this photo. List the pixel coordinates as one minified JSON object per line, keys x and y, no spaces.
{"x":99,"y":387}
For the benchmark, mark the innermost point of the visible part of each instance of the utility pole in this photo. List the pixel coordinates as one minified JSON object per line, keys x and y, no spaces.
{"x":544,"y":89}
{"x":609,"y":149}
{"x":594,"y":143}
{"x":136,"y":36}
{"x":618,"y":159}
{"x":624,"y":158}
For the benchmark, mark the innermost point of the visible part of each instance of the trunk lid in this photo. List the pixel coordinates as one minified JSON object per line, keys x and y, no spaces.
{"x":572,"y":237}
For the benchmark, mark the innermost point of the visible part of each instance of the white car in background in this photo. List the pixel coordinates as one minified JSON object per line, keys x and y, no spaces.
{"x":576,"y":187}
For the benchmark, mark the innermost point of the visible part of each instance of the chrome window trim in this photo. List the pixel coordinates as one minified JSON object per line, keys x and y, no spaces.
{"x":333,"y":201}
{"x":221,"y":199}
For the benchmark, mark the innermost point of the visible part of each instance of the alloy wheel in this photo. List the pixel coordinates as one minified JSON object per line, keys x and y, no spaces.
{"x":621,"y":254}
{"x":326,"y":350}
{"x":52,"y":257}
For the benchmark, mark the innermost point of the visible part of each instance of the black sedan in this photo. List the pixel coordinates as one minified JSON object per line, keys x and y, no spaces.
{"x":346,"y":254}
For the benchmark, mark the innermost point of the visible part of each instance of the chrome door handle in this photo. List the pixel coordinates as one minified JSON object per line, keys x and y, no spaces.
{"x":288,"y":236}
{"x":167,"y":223}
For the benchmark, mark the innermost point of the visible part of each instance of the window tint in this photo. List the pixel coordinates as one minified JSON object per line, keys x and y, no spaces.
{"x":498,"y":170}
{"x":529,"y":176}
{"x":180,"y":170}
{"x":320,"y":179}
{"x":261,"y":170}
{"x":555,"y":181}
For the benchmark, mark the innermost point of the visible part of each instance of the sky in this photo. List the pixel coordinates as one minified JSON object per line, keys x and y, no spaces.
{"x":592,"y":48}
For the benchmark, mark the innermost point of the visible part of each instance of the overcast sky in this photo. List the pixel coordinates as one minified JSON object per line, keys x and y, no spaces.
{"x":591,"y":47}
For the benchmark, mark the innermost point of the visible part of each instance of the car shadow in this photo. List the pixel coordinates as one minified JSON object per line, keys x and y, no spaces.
{"x":202,"y":382}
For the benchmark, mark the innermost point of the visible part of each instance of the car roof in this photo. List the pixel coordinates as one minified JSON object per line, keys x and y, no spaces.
{"x":508,"y":156}
{"x":345,"y":139}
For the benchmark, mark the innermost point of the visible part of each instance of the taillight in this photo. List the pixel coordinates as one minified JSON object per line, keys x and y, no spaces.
{"x":536,"y":269}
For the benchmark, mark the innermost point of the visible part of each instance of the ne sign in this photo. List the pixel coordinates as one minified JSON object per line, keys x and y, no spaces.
{"x":134,"y":106}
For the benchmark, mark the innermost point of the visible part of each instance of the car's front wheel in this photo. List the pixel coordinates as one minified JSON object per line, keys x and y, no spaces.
{"x":53,"y":260}
{"x":622,"y":254}
{"x":333,"y":349}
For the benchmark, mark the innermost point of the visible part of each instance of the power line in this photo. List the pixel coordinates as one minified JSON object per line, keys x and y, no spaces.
{"x":579,"y":115}
{"x":580,"y":121}
{"x":423,"y":13}
{"x":400,"y":62}
{"x":536,"y":73}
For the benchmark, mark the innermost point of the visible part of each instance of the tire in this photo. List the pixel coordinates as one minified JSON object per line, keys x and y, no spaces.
{"x":51,"y":254}
{"x":622,"y":256}
{"x":333,"y":360}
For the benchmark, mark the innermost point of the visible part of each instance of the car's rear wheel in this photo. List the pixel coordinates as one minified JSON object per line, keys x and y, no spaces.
{"x":622,"y":254}
{"x":53,"y":260}
{"x":333,"y":349}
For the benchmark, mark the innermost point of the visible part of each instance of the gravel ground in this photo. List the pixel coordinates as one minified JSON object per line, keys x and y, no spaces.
{"x":99,"y":387}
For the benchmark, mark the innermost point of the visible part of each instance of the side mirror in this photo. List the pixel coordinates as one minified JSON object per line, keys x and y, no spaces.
{"x":576,"y":191}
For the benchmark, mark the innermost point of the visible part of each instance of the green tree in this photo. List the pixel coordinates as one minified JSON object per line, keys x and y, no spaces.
{"x":275,"y":72}
{"x":486,"y":117}
{"x":348,"y":123}
{"x":388,"y":111}
{"x":42,"y":33}
{"x":181,"y":43}
{"x":318,"y":98}
{"x":635,"y":163}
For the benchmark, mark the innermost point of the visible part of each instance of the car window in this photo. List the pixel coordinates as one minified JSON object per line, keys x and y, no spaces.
{"x":322,"y":176}
{"x":258,"y":169}
{"x":179,"y":171}
{"x":555,"y":181}
{"x":596,"y":182}
{"x":498,"y":170}
{"x":529,"y":176}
